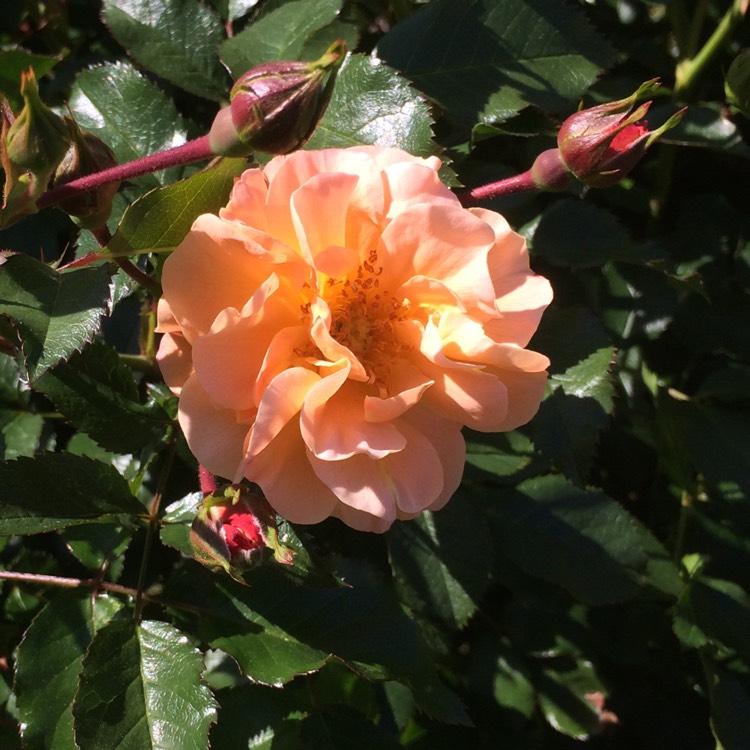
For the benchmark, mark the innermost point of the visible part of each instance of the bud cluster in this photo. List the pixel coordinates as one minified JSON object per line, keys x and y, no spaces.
{"x":39,"y":148}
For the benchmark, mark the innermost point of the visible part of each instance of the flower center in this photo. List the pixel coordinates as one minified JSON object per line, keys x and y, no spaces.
{"x":364,"y":318}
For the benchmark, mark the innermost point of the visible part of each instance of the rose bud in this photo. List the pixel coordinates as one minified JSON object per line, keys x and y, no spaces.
{"x":276,"y":106}
{"x":602,"y":144}
{"x":232,"y":531}
{"x":38,"y":139}
{"x":86,"y":154}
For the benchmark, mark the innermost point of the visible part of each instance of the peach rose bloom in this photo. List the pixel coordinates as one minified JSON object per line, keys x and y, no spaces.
{"x":334,"y":328}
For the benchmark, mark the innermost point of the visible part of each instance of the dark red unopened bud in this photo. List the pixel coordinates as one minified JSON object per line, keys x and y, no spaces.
{"x":276,"y":106}
{"x":233,"y":530}
{"x":602,"y":144}
{"x":85,"y":155}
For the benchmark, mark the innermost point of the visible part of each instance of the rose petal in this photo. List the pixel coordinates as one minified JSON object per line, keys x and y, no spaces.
{"x":214,"y":435}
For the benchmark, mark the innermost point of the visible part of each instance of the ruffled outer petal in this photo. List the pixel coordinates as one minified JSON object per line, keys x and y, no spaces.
{"x":214,"y":435}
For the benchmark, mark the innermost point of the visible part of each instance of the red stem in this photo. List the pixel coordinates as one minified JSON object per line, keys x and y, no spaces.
{"x":516,"y":184}
{"x":185,"y":154}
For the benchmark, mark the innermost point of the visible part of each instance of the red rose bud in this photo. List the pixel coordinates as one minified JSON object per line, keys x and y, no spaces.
{"x":232,"y":531}
{"x":38,"y":139}
{"x":85,"y":155}
{"x":276,"y":106}
{"x":602,"y":144}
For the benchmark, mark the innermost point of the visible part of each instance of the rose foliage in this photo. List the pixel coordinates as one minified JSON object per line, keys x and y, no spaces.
{"x":220,"y":373}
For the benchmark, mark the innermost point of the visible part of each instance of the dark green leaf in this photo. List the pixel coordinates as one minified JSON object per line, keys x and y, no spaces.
{"x":575,"y":233}
{"x":721,"y":609}
{"x":98,"y":545}
{"x":96,"y":392}
{"x":372,"y":104}
{"x":129,"y":113}
{"x":281,"y":33}
{"x":161,"y":36}
{"x":49,"y":662}
{"x":55,"y":490}
{"x":342,"y":728}
{"x":730,"y":705}
{"x":141,"y":688}
{"x":56,"y":313}
{"x":442,"y":562}
{"x":578,"y":539}
{"x":484,"y":60}
{"x":175,"y":529}
{"x":161,"y":219}
{"x":277,"y":629}
{"x":709,"y":440}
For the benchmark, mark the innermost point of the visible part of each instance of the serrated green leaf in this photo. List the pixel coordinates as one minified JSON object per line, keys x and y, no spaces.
{"x":98,"y":544}
{"x":729,"y":693}
{"x":276,"y":630}
{"x":141,"y":688}
{"x":578,"y":539}
{"x":372,"y":104}
{"x":567,"y":428}
{"x":175,"y":528}
{"x":97,"y":393}
{"x":21,"y":435}
{"x":129,"y":113}
{"x":442,"y":562}
{"x":161,"y":218}
{"x":580,"y":235}
{"x":485,"y":60}
{"x":281,"y":32}
{"x":561,"y":699}
{"x":55,"y":490}
{"x":161,"y":36}
{"x":15,"y":60}
{"x":698,"y":438}
{"x":721,"y":609}
{"x":48,"y":664}
{"x":342,"y":728}
{"x":56,"y":313}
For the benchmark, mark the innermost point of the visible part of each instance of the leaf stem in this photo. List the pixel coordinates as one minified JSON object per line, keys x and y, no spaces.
{"x":195,"y":150}
{"x":153,"y":524}
{"x":103,"y":236}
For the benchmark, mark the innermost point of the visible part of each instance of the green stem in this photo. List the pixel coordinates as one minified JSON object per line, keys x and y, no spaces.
{"x":694,"y":34}
{"x":103,"y":236}
{"x":153,"y":525}
{"x":140,"y":363}
{"x":689,"y":70}
{"x":686,"y":505}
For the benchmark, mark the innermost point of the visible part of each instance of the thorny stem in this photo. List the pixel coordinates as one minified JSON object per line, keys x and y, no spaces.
{"x":95,"y":584}
{"x":516,"y":184}
{"x":191,"y":151}
{"x":153,"y":524}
